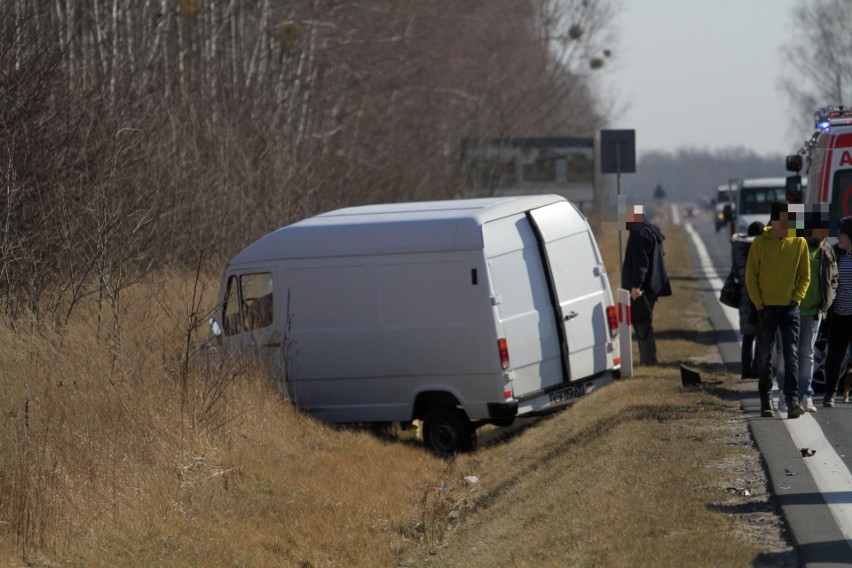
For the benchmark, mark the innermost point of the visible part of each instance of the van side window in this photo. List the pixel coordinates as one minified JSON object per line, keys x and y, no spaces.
{"x":257,"y":300}
{"x":232,"y":321}
{"x":248,"y":303}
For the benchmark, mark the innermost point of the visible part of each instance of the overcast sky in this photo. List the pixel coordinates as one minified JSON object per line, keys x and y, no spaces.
{"x":703,"y":74}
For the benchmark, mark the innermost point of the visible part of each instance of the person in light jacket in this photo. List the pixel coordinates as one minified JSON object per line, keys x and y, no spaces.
{"x":818,"y":300}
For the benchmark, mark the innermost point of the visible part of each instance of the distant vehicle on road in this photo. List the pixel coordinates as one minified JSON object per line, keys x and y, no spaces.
{"x":724,"y":205}
{"x":690,"y":212}
{"x":755,"y":197}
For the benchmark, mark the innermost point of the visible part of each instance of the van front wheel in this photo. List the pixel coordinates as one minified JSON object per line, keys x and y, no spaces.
{"x":447,"y":431}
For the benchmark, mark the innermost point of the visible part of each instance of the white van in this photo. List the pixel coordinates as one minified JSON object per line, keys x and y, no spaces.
{"x":458,"y":313}
{"x":755,"y":197}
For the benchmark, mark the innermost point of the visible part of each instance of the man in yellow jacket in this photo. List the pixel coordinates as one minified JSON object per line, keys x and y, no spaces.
{"x":778,"y":272}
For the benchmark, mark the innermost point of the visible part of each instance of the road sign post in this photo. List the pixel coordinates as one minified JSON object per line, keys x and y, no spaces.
{"x":618,"y":155}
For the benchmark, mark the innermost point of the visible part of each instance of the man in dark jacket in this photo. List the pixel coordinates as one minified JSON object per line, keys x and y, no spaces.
{"x":644,"y":274}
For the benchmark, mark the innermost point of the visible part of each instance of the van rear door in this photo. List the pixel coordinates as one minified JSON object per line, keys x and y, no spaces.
{"x":578,"y":286}
{"x":521,"y":299}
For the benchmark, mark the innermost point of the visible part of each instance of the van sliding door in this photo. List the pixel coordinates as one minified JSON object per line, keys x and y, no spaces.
{"x":577,"y":287}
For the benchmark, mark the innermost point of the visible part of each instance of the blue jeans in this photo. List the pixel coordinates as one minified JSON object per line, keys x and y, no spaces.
{"x":808,"y":330}
{"x":772,"y":319}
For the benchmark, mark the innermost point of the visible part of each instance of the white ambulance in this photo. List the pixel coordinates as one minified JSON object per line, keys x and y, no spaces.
{"x":828,"y":166}
{"x":457,"y":313}
{"x":828,"y":157}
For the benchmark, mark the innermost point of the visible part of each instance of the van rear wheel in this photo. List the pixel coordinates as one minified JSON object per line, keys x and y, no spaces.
{"x":447,"y":431}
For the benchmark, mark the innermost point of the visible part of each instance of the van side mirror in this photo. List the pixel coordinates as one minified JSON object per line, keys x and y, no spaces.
{"x":728,"y":213}
{"x":794,"y":163}
{"x":793,"y":189}
{"x":215,"y":329}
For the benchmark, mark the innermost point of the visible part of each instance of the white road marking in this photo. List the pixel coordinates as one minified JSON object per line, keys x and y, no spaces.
{"x":832,"y":477}
{"x":706,"y":264}
{"x":830,"y":474}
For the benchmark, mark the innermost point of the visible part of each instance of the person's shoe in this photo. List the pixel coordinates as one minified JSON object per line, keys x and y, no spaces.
{"x":795,"y":410}
{"x":766,"y":407}
{"x":828,"y":402}
{"x":808,"y":404}
{"x":782,"y":404}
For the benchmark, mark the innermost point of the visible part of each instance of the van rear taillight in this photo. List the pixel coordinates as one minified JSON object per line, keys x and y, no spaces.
{"x":612,"y":318}
{"x":504,"y":352}
{"x":508,"y":393}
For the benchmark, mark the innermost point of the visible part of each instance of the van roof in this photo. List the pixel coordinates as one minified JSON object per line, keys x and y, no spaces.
{"x":763,"y":182}
{"x":427,"y":226}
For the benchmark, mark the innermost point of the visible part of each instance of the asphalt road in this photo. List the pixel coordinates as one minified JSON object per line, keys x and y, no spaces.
{"x":808,"y":459}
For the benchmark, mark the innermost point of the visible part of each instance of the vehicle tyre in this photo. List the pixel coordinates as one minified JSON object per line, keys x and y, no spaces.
{"x":448,"y":431}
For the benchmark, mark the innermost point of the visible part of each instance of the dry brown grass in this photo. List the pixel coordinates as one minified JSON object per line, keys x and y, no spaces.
{"x":108,"y":459}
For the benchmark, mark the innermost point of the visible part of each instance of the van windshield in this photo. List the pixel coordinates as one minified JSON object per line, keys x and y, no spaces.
{"x":759,"y":200}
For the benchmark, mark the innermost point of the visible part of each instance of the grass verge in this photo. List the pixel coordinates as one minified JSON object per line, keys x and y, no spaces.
{"x":110,"y":457}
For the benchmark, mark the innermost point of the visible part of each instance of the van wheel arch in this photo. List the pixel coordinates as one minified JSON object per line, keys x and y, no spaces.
{"x":428,"y":401}
{"x":448,"y":431}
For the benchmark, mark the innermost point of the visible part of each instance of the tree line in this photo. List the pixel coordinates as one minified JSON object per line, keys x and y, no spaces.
{"x":691,"y":174}
{"x":137,"y":135}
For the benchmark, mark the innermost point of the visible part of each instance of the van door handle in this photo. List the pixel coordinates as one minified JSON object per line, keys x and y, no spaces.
{"x":571,"y":315}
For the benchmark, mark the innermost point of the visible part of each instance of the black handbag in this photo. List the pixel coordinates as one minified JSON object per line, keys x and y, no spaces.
{"x":640,"y":308}
{"x":730,"y":294}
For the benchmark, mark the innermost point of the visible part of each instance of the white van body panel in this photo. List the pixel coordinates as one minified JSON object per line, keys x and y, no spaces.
{"x":755,"y":197}
{"x":375,"y":305}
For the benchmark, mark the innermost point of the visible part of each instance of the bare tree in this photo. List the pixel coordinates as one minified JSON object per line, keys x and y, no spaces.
{"x":132,"y":130}
{"x":819,"y":55}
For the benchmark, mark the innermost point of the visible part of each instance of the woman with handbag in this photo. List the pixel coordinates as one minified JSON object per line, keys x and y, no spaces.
{"x":740,"y":245}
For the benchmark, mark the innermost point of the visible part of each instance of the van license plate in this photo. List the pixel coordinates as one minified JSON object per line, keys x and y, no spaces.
{"x":568,"y":393}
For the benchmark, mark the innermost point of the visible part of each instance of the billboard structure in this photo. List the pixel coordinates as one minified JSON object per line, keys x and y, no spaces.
{"x":564,"y":165}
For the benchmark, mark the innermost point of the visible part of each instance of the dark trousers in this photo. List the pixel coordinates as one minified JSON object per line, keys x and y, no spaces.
{"x":839,"y":336}
{"x":787,"y":320}
{"x":749,"y":356}
{"x":645,"y":336}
